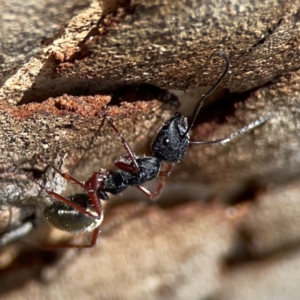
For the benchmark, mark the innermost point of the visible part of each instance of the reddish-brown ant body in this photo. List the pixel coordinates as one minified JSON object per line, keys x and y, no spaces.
{"x":83,"y":212}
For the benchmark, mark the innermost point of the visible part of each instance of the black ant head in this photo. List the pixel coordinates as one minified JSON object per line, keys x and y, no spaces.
{"x":171,"y":141}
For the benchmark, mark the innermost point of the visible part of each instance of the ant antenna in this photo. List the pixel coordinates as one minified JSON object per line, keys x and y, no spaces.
{"x":229,"y":138}
{"x":204,"y":96}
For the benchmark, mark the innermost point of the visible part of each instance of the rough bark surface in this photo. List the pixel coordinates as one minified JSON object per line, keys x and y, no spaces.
{"x":226,"y":224}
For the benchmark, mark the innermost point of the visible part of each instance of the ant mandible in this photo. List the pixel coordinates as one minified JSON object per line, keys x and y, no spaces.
{"x":83,"y":212}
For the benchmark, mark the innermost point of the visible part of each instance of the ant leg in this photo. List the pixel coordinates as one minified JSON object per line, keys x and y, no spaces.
{"x":151,"y":195}
{"x":229,"y":138}
{"x":64,"y":200}
{"x":92,"y":243}
{"x":167,"y":172}
{"x":64,"y":175}
{"x":126,"y":167}
{"x":160,"y":185}
{"x":121,"y":165}
{"x":90,"y":186}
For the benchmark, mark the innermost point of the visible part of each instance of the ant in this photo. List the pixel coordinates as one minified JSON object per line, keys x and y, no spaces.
{"x":83,"y":212}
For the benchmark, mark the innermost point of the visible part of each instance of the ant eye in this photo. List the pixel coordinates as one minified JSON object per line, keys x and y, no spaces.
{"x":166,"y":141}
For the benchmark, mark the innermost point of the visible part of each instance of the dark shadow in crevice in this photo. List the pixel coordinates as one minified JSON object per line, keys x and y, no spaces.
{"x":48,"y":84}
{"x":267,"y":35}
{"x":141,"y":92}
{"x":120,"y":92}
{"x":55,"y":87}
{"x":221,"y":108}
{"x":245,"y":191}
{"x":29,"y":264}
{"x":244,"y":251}
{"x":244,"y":254}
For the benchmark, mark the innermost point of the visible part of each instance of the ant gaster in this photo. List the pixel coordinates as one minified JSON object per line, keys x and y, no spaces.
{"x":83,"y":212}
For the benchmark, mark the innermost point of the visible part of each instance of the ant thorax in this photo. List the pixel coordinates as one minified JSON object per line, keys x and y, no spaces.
{"x":119,"y":180}
{"x":171,"y":142}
